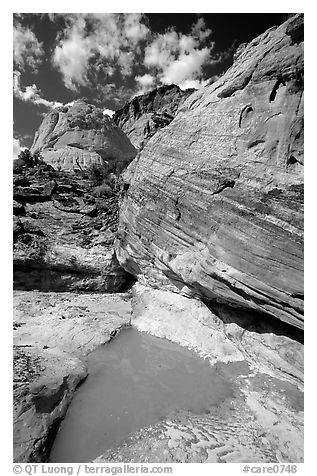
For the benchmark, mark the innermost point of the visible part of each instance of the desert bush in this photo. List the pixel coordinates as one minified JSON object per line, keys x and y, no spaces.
{"x":104,"y":190}
{"x":108,"y":172}
{"x":30,"y":160}
{"x":97,"y":173}
{"x":115,"y":165}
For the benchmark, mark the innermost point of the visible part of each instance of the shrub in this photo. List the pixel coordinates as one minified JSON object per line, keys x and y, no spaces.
{"x":97,"y":173}
{"x":30,"y":160}
{"x":115,"y":165}
{"x":104,"y":190}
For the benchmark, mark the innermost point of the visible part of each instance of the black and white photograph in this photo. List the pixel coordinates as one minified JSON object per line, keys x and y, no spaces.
{"x":158,"y":231}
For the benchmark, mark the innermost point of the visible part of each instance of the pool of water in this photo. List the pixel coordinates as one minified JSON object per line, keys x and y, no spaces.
{"x":134,"y":381}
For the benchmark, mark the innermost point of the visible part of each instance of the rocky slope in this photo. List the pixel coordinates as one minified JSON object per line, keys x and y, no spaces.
{"x":74,"y":137}
{"x":142,"y":117}
{"x":64,"y":229}
{"x":214,"y":208}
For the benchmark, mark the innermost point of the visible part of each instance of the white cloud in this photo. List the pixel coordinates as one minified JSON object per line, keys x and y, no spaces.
{"x":145,"y":80}
{"x":27,"y":50}
{"x":16,"y":148}
{"x":31,"y":93}
{"x":177,"y":58}
{"x":134,"y":29}
{"x":199,"y":29}
{"x":71,"y":57}
{"x":145,"y":83}
{"x":126,"y":61}
{"x":193,"y":83}
{"x":108,"y":112}
{"x":161,"y":52}
{"x":186,"y":67}
{"x":93,"y":48}
{"x":103,"y":42}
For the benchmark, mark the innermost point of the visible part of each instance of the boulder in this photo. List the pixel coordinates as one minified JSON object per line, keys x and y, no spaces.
{"x":214,"y":207}
{"x":77,"y":136}
{"x":142,"y":117}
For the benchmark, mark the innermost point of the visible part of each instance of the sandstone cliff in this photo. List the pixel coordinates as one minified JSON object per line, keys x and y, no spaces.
{"x":214,"y":208}
{"x":142,"y":117}
{"x":74,"y":137}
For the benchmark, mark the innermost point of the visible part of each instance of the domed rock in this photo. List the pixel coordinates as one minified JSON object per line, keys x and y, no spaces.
{"x":74,"y":137}
{"x":214,"y":208}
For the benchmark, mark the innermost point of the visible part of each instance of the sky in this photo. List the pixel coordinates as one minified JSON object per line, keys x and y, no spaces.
{"x":110,"y":58}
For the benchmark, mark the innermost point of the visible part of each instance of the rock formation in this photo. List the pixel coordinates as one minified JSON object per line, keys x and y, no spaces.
{"x":142,"y":117}
{"x":214,"y":208}
{"x":211,"y":224}
{"x":79,"y":135}
{"x":64,"y":229}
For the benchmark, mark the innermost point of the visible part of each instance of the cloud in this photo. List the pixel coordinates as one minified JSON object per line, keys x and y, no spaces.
{"x":176,"y":58}
{"x":145,"y":83}
{"x":27,"y":50}
{"x":31,"y":93}
{"x":17,"y":148}
{"x":108,"y":112}
{"x":161,"y":52}
{"x":187,"y":67}
{"x":194,"y":83}
{"x":200,"y":31}
{"x":104,"y":42}
{"x":116,"y":55}
{"x":94,"y":47}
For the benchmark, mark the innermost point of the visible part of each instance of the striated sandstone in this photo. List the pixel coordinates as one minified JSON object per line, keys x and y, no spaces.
{"x":142,"y":117}
{"x":214,"y":208}
{"x":77,"y":136}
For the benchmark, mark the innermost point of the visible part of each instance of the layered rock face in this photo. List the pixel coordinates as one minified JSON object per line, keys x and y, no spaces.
{"x":214,"y":208}
{"x":74,"y":137}
{"x":64,"y":230}
{"x":142,"y":117}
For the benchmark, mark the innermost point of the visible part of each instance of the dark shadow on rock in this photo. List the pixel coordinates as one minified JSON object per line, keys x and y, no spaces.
{"x":255,"y":321}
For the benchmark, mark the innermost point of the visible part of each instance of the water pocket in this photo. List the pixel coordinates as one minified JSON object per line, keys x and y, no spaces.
{"x":134,"y":381}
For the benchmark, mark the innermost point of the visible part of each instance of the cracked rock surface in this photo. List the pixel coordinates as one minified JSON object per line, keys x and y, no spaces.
{"x":214,"y":208}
